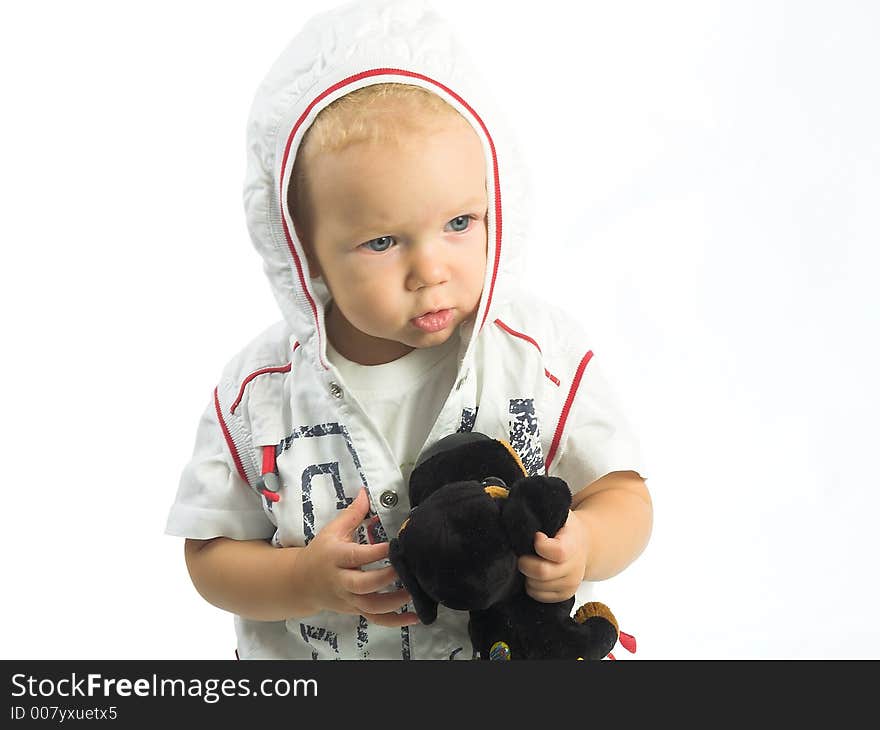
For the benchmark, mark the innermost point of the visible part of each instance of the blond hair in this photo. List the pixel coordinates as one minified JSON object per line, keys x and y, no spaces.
{"x":376,"y":114}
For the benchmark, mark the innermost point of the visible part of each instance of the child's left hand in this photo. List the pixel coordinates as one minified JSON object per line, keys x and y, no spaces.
{"x":557,"y":570}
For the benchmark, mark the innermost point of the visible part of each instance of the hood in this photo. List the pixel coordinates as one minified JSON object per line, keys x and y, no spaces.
{"x":354,"y":45}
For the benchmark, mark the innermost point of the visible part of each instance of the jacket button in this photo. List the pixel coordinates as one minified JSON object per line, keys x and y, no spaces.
{"x":335,"y":390}
{"x":388,"y":499}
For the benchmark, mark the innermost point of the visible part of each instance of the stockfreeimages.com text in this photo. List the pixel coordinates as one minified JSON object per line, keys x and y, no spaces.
{"x":210,"y":690}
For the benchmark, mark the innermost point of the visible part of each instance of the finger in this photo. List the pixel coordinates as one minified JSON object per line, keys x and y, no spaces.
{"x":549,"y":548}
{"x":563,"y":585}
{"x":543,"y":596}
{"x":381,"y":602}
{"x":362,"y":582}
{"x":354,"y":555}
{"x":392,"y":619}
{"x":348,"y":519}
{"x":538,"y":569}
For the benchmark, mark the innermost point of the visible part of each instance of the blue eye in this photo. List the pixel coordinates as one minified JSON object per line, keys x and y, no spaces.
{"x":463,"y":220}
{"x":383,"y":243}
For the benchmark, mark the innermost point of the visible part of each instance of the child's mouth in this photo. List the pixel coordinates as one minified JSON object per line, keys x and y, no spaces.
{"x":433,"y":321}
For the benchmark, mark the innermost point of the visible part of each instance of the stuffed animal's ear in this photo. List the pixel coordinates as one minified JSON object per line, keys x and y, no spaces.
{"x":533,"y":504}
{"x":426,"y":607}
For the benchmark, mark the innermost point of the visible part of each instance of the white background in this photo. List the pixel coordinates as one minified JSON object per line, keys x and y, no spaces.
{"x":707,"y":172}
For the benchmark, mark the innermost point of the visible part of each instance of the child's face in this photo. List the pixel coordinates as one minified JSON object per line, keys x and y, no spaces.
{"x":399,"y":231}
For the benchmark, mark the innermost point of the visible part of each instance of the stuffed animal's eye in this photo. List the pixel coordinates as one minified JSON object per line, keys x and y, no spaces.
{"x":494,"y":482}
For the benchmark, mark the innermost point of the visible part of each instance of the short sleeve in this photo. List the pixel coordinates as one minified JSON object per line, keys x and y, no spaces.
{"x":597,"y":437}
{"x":212,"y":498}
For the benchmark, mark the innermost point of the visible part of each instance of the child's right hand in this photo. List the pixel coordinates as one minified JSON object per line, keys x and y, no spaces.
{"x":331,"y":566}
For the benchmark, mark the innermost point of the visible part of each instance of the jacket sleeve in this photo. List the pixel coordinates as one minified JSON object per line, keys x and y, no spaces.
{"x":212,"y":498}
{"x":595,"y":437}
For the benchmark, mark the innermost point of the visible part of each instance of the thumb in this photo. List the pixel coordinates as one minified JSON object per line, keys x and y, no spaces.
{"x":349,"y":518}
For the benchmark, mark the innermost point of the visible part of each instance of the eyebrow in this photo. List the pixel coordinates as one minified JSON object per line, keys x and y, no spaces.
{"x":473,"y":203}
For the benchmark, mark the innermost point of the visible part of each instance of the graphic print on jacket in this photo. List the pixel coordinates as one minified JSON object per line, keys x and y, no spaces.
{"x":524,"y":436}
{"x":324,"y":471}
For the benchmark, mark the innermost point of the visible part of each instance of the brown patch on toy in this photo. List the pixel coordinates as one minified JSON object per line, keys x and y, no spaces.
{"x":594,"y":608}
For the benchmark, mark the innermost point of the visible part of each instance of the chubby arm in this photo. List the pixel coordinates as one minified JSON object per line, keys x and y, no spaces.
{"x":264,"y":583}
{"x":247,"y":577}
{"x":608,"y":527}
{"x":617,"y":516}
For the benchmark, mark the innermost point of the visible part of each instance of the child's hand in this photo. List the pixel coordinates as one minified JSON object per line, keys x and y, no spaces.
{"x":331,"y":567}
{"x":557,"y":570}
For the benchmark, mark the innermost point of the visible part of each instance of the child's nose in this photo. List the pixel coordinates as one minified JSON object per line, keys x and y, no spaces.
{"x":428,"y":266}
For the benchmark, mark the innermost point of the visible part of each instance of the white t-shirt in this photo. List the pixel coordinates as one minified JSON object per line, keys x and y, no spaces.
{"x":403,"y":397}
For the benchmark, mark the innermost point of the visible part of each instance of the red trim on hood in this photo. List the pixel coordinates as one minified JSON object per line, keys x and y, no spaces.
{"x":513,"y":332}
{"x":228,"y":438}
{"x":249,"y":378}
{"x":563,"y":417}
{"x":339,"y":85}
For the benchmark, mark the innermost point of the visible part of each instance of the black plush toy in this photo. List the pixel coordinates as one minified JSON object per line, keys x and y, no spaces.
{"x":474,"y":511}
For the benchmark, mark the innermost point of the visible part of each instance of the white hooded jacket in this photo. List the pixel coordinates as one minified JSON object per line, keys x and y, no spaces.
{"x":525,"y":369}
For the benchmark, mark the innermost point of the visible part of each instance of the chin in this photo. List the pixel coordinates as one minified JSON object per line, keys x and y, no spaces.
{"x":432,"y":339}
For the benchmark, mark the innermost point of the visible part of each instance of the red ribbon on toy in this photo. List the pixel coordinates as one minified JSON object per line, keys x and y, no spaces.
{"x":628,"y":642}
